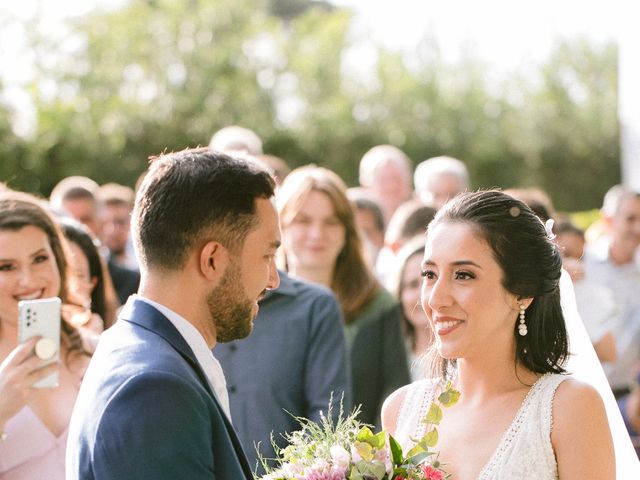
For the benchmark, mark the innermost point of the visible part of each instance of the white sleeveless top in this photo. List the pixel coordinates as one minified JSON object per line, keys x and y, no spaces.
{"x":524,"y":452}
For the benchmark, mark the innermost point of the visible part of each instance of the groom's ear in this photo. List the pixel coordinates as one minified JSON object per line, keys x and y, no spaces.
{"x":213,"y":261}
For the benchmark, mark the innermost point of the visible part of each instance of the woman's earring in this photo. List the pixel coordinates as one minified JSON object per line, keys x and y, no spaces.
{"x":522,"y":327}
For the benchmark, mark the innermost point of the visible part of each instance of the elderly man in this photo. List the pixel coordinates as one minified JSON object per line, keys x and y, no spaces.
{"x":438,"y":179}
{"x":385,"y":173}
{"x":612,"y":263}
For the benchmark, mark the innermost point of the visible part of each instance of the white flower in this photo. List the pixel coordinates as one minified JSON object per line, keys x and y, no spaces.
{"x":355,"y":455}
{"x":340,"y":456}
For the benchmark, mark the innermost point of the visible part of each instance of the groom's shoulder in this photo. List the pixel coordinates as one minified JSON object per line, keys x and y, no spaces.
{"x":127,"y":351}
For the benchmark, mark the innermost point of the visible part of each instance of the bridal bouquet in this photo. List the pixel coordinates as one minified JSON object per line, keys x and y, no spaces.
{"x":348,"y":450}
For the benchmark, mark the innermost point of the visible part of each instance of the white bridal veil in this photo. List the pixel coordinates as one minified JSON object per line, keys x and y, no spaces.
{"x":584,"y":365}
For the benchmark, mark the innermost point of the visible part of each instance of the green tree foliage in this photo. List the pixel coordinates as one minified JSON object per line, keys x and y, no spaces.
{"x":165,"y":74}
{"x":575,"y":124}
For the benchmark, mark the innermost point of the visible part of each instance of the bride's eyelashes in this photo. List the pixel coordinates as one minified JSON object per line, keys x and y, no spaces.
{"x":427,"y":273}
{"x":458,"y":275}
{"x":464,"y":275}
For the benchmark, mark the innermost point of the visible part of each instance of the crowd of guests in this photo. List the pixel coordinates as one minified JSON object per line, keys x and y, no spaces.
{"x":344,"y":327}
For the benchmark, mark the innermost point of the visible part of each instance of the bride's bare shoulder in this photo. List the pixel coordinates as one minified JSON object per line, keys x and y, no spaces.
{"x":579,"y":417}
{"x":575,"y":396}
{"x":391,"y":408}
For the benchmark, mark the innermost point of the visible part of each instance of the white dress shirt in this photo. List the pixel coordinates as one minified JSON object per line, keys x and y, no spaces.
{"x":623,"y":282}
{"x":204,"y":356}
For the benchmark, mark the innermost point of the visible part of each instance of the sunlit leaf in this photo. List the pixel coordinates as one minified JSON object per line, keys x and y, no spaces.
{"x":430,"y":439}
{"x":434,"y":415}
{"x":364,"y":450}
{"x":449,"y":397}
{"x":364,"y":434}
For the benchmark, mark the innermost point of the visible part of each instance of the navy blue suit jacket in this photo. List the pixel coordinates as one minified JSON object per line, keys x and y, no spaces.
{"x":145,"y":409}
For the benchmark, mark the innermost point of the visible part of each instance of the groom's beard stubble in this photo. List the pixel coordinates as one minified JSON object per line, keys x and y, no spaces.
{"x":230,"y":310}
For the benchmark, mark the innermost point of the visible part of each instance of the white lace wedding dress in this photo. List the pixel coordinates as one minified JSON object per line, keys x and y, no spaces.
{"x":525,"y":450}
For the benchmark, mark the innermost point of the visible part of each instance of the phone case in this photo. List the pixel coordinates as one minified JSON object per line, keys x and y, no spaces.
{"x":41,"y":317}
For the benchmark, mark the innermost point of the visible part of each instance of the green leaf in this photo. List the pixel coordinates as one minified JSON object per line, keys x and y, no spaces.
{"x":419,"y":458}
{"x":402,"y":471}
{"x":365,"y":469}
{"x":417,"y":449}
{"x":355,"y":474}
{"x":434,"y":416}
{"x":364,"y":434}
{"x":364,"y":450}
{"x":396,"y":451}
{"x":430,"y":439}
{"x":449,"y":397}
{"x":378,"y":440}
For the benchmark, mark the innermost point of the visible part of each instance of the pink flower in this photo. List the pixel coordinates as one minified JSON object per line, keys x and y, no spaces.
{"x":333,"y":473}
{"x":340,"y":456}
{"x":431,"y":473}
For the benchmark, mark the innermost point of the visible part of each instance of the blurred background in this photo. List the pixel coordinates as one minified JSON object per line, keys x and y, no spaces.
{"x":526,"y":93}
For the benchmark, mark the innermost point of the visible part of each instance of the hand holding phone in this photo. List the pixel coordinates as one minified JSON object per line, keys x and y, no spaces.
{"x":41,"y":318}
{"x":19,"y":371}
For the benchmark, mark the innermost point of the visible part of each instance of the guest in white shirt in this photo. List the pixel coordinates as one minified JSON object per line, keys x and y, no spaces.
{"x":612,"y":263}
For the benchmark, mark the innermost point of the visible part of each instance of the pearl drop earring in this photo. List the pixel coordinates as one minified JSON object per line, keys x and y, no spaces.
{"x":522,"y":326}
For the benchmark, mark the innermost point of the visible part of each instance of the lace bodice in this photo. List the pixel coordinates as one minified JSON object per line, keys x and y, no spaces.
{"x":525,"y":450}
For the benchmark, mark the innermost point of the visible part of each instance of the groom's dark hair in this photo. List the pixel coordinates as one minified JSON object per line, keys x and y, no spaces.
{"x":194,"y":196}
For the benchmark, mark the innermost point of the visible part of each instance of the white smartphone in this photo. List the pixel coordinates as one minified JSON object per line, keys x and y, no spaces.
{"x":41,"y":317}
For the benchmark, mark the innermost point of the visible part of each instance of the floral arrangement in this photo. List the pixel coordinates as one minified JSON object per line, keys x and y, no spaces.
{"x":349,"y":450}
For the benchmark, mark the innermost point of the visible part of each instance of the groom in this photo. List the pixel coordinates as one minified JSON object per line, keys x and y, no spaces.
{"x":153,"y":403}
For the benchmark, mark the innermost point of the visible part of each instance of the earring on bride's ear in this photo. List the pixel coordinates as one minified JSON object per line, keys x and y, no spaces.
{"x":522,"y":326}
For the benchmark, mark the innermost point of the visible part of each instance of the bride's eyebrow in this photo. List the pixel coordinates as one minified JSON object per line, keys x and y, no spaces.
{"x":457,"y":263}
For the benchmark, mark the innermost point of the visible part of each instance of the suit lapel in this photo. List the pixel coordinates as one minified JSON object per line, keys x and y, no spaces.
{"x":146,"y":316}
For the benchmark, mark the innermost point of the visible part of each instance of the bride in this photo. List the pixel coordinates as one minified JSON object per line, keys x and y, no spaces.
{"x":491,"y":292}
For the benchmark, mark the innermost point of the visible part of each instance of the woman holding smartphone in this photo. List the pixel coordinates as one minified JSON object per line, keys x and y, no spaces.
{"x":33,"y":421}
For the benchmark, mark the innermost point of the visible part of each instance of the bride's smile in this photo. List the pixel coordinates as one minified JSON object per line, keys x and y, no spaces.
{"x":463,"y":295}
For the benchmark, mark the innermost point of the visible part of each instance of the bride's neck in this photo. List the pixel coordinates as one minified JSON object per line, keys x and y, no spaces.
{"x":478,"y":380}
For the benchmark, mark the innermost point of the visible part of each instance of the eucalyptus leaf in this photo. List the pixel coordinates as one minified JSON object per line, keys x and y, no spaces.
{"x":364,"y":450}
{"x":430,"y":439}
{"x":367,"y":470}
{"x":417,"y":449}
{"x":434,"y":416}
{"x":377,"y":441}
{"x":364,"y":434}
{"x":449,"y":397}
{"x":419,"y":458}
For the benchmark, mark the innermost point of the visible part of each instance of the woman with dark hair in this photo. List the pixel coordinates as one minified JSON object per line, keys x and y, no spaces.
{"x":321,"y":244}
{"x":92,"y":281}
{"x":491,"y":293}
{"x":34,"y":421}
{"x":406,"y":284}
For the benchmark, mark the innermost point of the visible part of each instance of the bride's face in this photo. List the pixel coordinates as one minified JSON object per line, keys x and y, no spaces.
{"x":470,"y":311}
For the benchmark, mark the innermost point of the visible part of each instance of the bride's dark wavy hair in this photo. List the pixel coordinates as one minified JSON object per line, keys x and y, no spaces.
{"x":531,"y":266}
